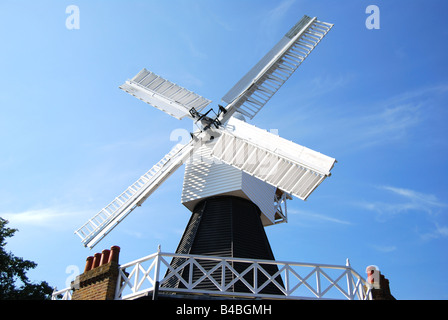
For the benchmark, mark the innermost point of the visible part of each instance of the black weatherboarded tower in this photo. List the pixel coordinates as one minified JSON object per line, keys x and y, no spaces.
{"x":226,"y":226}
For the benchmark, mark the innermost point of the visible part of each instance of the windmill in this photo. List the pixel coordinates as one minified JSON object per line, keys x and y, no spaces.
{"x":237,"y":177}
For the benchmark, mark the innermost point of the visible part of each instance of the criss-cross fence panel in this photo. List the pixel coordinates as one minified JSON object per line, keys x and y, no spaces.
{"x":138,"y":278}
{"x":221,"y":274}
{"x":225,"y":276}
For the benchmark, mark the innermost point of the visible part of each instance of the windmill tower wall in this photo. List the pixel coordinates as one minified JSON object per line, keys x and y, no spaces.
{"x":226,"y":226}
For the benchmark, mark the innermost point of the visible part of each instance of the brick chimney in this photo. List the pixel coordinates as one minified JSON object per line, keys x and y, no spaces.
{"x":383,"y":292}
{"x":379,"y":283}
{"x":99,"y":280}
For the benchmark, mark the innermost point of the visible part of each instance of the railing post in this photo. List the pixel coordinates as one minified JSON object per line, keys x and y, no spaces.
{"x":255,"y":268}
{"x":190,"y":272}
{"x":223,"y":276}
{"x":118,"y":286}
{"x":349,"y":280}
{"x":319,"y":292}
{"x":54,"y":295}
{"x":136,"y":274}
{"x":155,"y":292}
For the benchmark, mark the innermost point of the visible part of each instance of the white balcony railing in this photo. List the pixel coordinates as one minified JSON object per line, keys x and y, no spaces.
{"x":155,"y":274}
{"x":64,"y":294}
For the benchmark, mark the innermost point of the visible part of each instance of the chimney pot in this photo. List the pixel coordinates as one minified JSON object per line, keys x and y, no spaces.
{"x":104,"y":257}
{"x":89,"y":263}
{"x":96,"y":260}
{"x":114,"y":254}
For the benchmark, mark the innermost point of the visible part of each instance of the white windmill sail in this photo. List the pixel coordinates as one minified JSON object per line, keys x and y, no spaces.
{"x":110,"y":216}
{"x":270,"y":158}
{"x":255,"y":89}
{"x":164,"y":95}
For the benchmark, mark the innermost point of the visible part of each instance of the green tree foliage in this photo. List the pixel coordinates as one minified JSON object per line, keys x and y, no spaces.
{"x":14,"y":284}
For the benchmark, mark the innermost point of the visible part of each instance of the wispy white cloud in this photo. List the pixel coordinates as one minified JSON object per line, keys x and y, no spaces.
{"x":130,"y":144}
{"x":134,"y":234}
{"x":193,"y":48}
{"x":190,"y":80}
{"x":280,"y":11}
{"x":384,"y":248}
{"x":421,"y":200}
{"x":51,"y":217}
{"x":396,"y":116}
{"x":410,"y":200}
{"x":425,"y":93}
{"x":391,"y":120}
{"x":320,"y":86}
{"x":274,"y":17}
{"x":437,"y":232}
{"x":389,"y":123}
{"x":317,"y":216}
{"x":401,"y":202}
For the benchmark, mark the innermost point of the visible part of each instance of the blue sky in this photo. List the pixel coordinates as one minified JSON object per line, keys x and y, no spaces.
{"x":71,"y":141}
